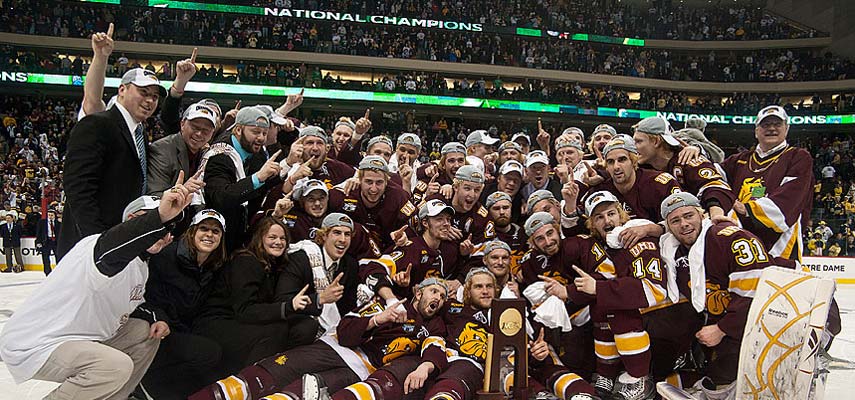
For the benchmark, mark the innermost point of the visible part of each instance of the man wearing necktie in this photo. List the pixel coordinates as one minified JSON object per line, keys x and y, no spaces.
{"x":105,"y":166}
{"x":46,"y":234}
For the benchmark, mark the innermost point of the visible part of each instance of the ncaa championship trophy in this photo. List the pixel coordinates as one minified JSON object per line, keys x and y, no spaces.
{"x":508,"y":327}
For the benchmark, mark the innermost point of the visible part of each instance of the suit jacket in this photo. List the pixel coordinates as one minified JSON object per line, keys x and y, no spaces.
{"x":298,"y":273}
{"x":42,"y":231}
{"x":11,"y":234}
{"x":226,"y":194}
{"x":166,"y":157}
{"x":102,"y":175}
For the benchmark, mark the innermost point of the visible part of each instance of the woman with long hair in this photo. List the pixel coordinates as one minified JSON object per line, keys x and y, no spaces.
{"x":180,"y":278}
{"x":242,"y":313}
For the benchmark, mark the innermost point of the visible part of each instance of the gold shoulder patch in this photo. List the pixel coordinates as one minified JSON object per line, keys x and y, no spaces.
{"x":482,"y":211}
{"x":664,"y":178}
{"x":408,"y":208}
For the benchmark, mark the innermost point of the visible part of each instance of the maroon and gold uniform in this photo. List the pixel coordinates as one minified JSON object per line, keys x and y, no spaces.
{"x":422,"y":181}
{"x":729,"y":260}
{"x":645,"y":196}
{"x":393,"y":211}
{"x":701,"y":178}
{"x":777,"y":191}
{"x":332,"y":172}
{"x":302,"y":226}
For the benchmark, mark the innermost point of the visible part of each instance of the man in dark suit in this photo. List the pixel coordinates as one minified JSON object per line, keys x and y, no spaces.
{"x":181,"y":151}
{"x":46,"y":234}
{"x":105,"y":165}
{"x":10,"y":232}
{"x":228,"y":187}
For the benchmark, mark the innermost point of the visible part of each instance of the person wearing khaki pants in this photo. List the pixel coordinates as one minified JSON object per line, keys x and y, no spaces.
{"x":88,"y":370}
{"x":82,"y":326}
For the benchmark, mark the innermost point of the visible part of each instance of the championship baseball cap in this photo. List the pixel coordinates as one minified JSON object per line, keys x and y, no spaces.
{"x":249,"y":116}
{"x":141,"y":77}
{"x":597,"y":198}
{"x":433,"y":281}
{"x":572,"y":130}
{"x":213,"y":105}
{"x":536,"y":221}
{"x":480,"y":136}
{"x":433,"y":208}
{"x":139,"y":204}
{"x":510,"y":145}
{"x":537,"y":156}
{"x":521,"y":135}
{"x":209,"y":214}
{"x":605,"y":127}
{"x":495,"y":245}
{"x":376,"y":163}
{"x":411,"y":139}
{"x":271,"y":114}
{"x":625,"y":142}
{"x":677,"y":200}
{"x":562,"y":143}
{"x":316,"y":131}
{"x":469,"y":173}
{"x":304,"y":188}
{"x":537,"y":196}
{"x":656,"y":126}
{"x":200,"y":110}
{"x":771,"y":111}
{"x":511,"y":166}
{"x":379,"y":139}
{"x":452,"y":147}
{"x":333,"y":220}
{"x":496,"y":197}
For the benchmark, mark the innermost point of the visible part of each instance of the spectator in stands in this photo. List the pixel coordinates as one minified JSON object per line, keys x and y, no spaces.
{"x":105,"y":167}
{"x":10,"y":232}
{"x":46,"y":235}
{"x":87,"y":340}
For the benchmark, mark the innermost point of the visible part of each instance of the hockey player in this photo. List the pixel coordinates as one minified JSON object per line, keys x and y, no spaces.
{"x":716,"y":266}
{"x":432,"y":176}
{"x":499,"y":207}
{"x":365,"y":340}
{"x":658,"y":148}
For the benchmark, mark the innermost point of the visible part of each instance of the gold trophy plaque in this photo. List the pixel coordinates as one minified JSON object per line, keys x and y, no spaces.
{"x":508,"y":330}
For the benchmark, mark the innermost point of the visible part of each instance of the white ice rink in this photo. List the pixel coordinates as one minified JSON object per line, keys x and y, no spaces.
{"x":14,"y":289}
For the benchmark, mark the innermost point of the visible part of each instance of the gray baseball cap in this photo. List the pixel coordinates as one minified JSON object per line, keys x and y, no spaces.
{"x":607,"y":128}
{"x":250,"y":116}
{"x":657,"y":126}
{"x":521,"y":135}
{"x":510,"y":145}
{"x":677,"y":200}
{"x":452,"y":147}
{"x":376,"y":163}
{"x":316,"y":131}
{"x":379,"y":139}
{"x":496,"y":197}
{"x":141,"y":77}
{"x":537,"y":196}
{"x":337,"y":219}
{"x":495,"y":245}
{"x":304,"y":188}
{"x":480,"y":136}
{"x":625,"y":142}
{"x":575,"y":130}
{"x":470,"y":173}
{"x":536,"y":221}
{"x":410,"y":139}
{"x":272,"y":115}
{"x":562,"y":143}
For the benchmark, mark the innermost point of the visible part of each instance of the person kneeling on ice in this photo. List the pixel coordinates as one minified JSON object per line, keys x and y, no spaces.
{"x":77,"y":327}
{"x":367,"y":341}
{"x":716,"y":266}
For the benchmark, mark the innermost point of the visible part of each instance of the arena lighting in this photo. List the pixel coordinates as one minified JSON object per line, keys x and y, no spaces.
{"x":372,"y":19}
{"x":428,"y":100}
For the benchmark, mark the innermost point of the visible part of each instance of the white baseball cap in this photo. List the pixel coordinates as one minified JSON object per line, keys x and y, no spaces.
{"x":537,"y":156}
{"x":433,"y":208}
{"x":141,"y":77}
{"x":511,"y":166}
{"x":480,"y":136}
{"x":597,"y":198}
{"x":139,"y":204}
{"x":209,"y":214}
{"x":771,"y":111}
{"x":199,"y":110}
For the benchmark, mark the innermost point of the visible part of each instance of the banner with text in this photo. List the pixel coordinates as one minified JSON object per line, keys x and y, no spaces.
{"x":841,"y":269}
{"x":32,"y":256}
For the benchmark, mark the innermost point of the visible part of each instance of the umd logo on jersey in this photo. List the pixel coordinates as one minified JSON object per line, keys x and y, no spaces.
{"x":472,"y":341}
{"x":399,"y":347}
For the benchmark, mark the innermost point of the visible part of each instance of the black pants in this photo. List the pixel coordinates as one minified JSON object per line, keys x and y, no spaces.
{"x":672,"y":331}
{"x":184,"y":363}
{"x":46,"y":249}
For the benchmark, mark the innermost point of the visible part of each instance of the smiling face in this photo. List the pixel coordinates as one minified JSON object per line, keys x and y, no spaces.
{"x":620,"y":166}
{"x":509,"y":154}
{"x":380,"y":149}
{"x":315,"y":203}
{"x":429,"y":300}
{"x":685,"y":224}
{"x":605,"y":218}
{"x":510,"y":183}
{"x":341,"y":136}
{"x":196,"y":133}
{"x":372,"y":186}
{"x":208,"y":236}
{"x":314,"y":146}
{"x":251,"y":138}
{"x":453,"y":162}
{"x":275,"y":241}
{"x":337,"y":241}
{"x":141,"y":102}
{"x":481,"y":289}
{"x":438,"y":227}
{"x":546,"y":239}
{"x":599,"y":141}
{"x":771,"y":132}
{"x":466,"y":195}
{"x":406,"y":153}
{"x":498,"y":262}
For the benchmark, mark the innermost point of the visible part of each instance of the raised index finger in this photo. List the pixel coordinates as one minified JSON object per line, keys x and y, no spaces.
{"x":367,"y":113}
{"x":303,"y":291}
{"x":580,"y":272}
{"x":540,"y":337}
{"x":180,"y":178}
{"x":409,"y":268}
{"x":276,"y":154}
{"x":110,"y":31}
{"x":193,"y":56}
{"x":546,"y":278}
{"x":337,"y":279}
{"x":539,"y":125}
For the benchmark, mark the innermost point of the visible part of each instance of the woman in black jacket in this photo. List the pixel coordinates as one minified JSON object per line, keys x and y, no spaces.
{"x":180,"y":278}
{"x":242,"y":314}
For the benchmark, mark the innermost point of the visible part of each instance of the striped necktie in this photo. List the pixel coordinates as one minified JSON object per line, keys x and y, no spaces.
{"x":139,"y":139}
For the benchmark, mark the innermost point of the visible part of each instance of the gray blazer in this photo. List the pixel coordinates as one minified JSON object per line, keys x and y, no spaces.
{"x":166,"y":157}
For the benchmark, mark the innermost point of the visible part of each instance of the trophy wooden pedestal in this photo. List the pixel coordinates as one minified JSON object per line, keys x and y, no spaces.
{"x":508,"y":327}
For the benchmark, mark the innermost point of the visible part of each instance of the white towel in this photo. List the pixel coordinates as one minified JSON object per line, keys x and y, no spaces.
{"x":548,"y":310}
